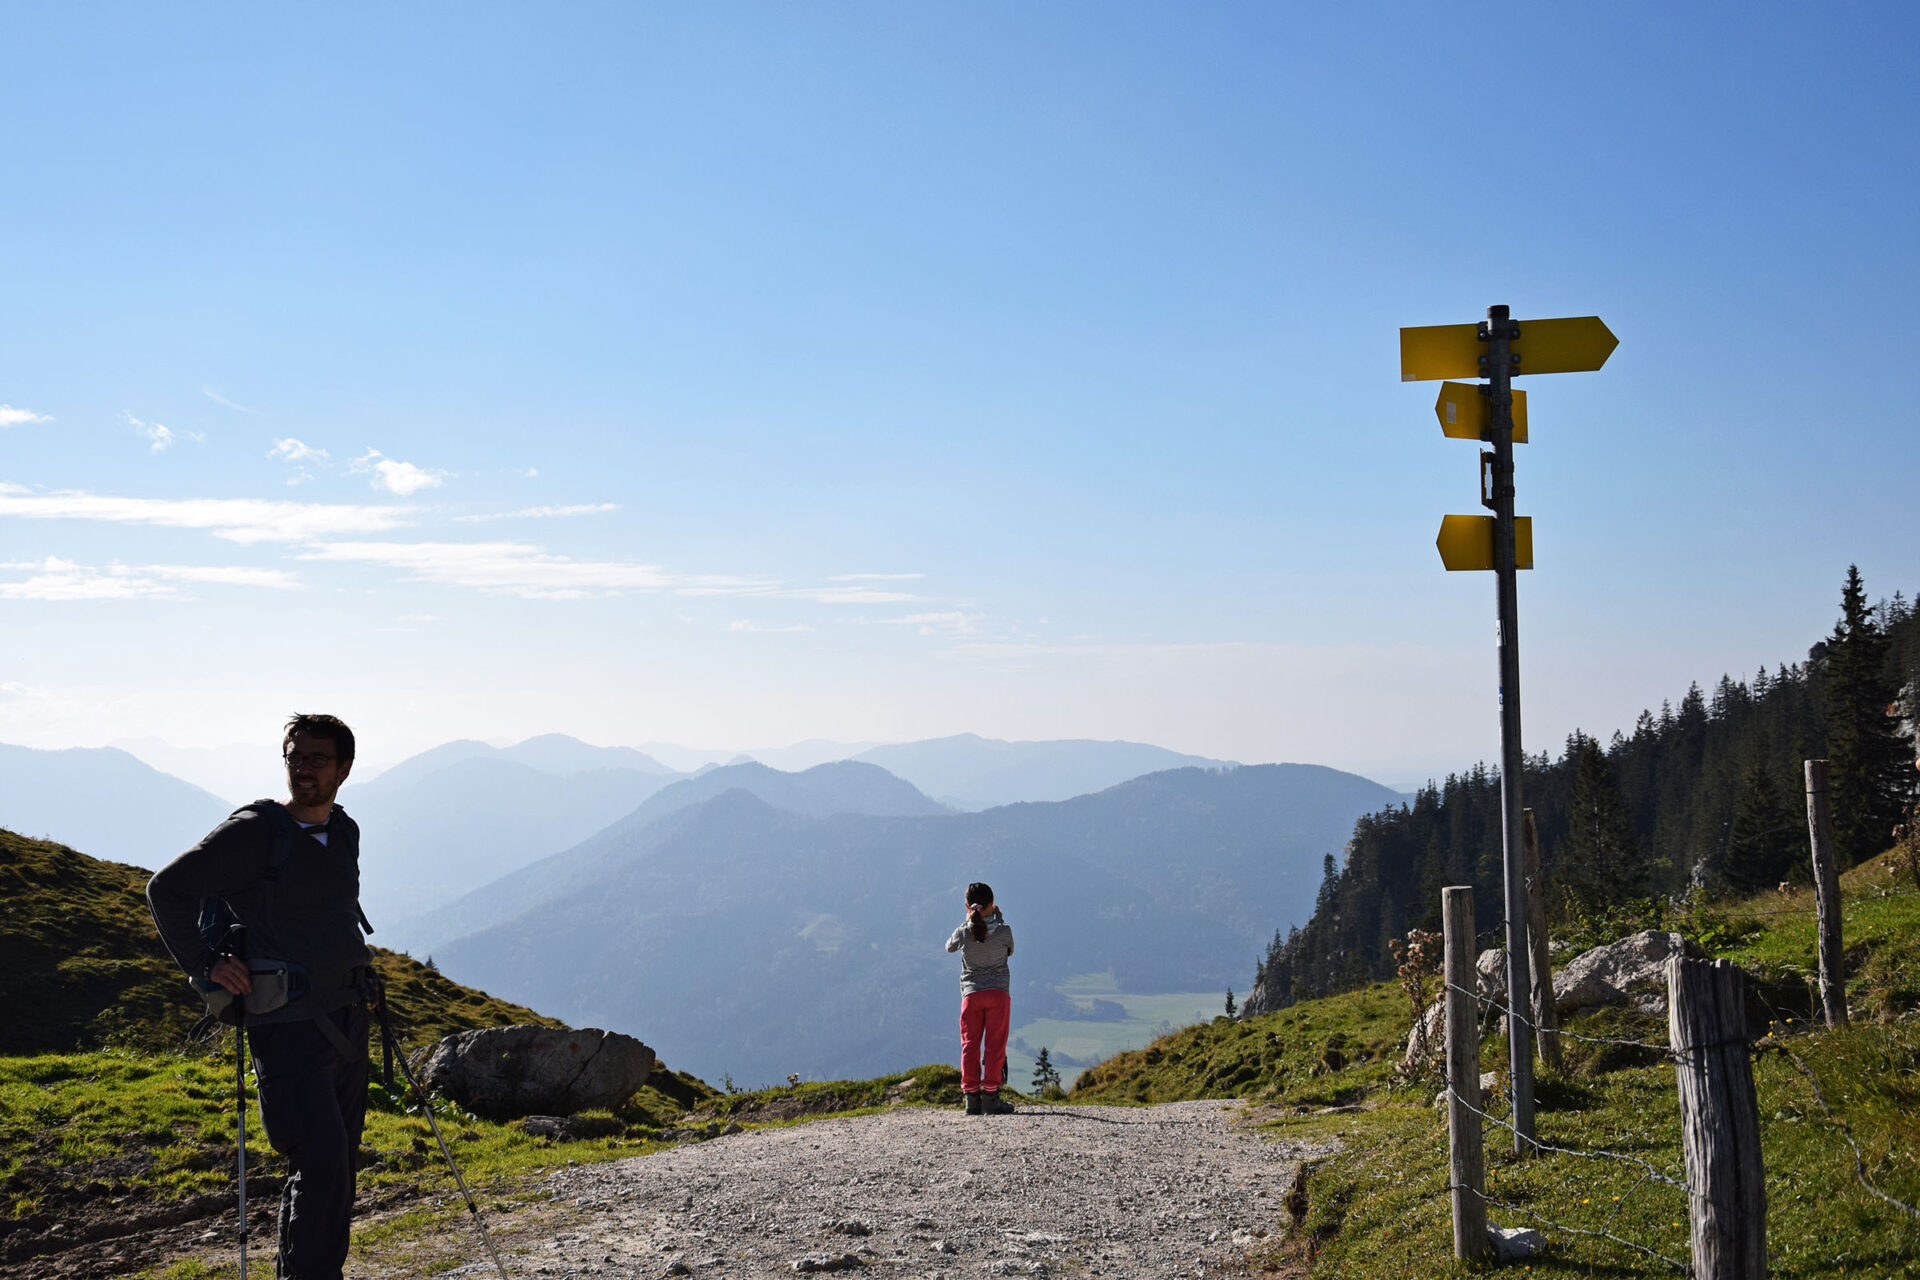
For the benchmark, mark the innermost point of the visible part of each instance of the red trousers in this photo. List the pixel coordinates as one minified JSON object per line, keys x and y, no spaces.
{"x":983,"y":1039}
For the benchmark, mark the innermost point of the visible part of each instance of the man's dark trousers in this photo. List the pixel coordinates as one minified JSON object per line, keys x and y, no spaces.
{"x":313,"y":1104}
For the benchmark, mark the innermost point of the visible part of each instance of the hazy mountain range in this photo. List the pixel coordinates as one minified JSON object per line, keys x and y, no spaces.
{"x":964,"y":771}
{"x":970,"y":772}
{"x":466,"y":813}
{"x":755,"y":921}
{"x":742,"y":938}
{"x":104,"y":801}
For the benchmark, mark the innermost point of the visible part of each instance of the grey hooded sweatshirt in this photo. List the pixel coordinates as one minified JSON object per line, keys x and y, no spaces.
{"x":983,"y":964}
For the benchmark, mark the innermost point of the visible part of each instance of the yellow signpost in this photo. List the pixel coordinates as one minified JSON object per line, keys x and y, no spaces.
{"x":1464,"y":414}
{"x":1499,"y":351}
{"x":1466,"y":542}
{"x":1573,"y":344}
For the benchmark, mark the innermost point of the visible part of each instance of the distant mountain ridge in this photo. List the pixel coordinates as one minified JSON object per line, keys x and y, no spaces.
{"x":106,"y":799}
{"x":761,"y":942}
{"x":841,"y":787}
{"x":466,"y":813}
{"x":970,"y":772}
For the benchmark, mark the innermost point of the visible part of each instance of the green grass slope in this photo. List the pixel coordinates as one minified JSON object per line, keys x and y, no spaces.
{"x":1379,"y":1208}
{"x":82,"y":968}
{"x":110,"y":1117}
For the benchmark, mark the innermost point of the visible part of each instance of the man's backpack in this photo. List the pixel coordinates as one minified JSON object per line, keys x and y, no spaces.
{"x":275,"y":982}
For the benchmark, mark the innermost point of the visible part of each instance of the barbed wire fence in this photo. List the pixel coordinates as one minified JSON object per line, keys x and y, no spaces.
{"x":1724,"y":1165}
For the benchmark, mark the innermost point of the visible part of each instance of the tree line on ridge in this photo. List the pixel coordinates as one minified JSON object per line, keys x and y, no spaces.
{"x":1705,"y":799}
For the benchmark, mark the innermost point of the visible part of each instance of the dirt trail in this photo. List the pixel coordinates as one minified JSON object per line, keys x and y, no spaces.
{"x":1184,"y":1189}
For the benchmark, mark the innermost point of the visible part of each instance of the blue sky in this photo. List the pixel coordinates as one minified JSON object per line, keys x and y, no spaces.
{"x":740,"y":374}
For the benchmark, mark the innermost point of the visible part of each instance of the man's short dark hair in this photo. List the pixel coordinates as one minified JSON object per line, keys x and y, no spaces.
{"x":332,"y":727}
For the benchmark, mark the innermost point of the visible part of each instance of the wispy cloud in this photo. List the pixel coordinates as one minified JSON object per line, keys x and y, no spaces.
{"x":57,"y":579}
{"x":757,"y":628}
{"x":245,"y":520}
{"x":846,"y":595}
{"x":523,"y":569}
{"x":931,"y":624}
{"x":875,"y":577}
{"x":219,"y":399}
{"x":544,"y":513}
{"x":293,"y":451}
{"x":299,"y":454}
{"x":396,"y":477}
{"x":12,"y":417}
{"x":159,"y":438}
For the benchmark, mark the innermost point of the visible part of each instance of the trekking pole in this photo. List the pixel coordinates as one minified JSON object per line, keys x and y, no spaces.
{"x":426,"y":1105}
{"x":240,"y":1093}
{"x":234,"y":947}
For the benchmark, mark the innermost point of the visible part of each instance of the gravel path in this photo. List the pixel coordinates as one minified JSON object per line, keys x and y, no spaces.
{"x":1177,"y":1190}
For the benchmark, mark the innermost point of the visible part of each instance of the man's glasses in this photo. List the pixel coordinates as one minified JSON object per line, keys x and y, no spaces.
{"x":314,"y":761}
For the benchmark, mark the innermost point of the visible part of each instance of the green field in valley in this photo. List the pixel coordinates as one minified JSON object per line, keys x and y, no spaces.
{"x":1116,"y":1022}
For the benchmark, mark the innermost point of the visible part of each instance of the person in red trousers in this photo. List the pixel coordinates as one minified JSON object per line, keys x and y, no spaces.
{"x":984,"y":943}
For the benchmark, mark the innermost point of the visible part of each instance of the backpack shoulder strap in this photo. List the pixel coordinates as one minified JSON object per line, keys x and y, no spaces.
{"x":283,"y":829}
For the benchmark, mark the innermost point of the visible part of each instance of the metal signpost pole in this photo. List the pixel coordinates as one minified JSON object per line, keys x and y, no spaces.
{"x":1500,"y":334}
{"x":1494,"y":413}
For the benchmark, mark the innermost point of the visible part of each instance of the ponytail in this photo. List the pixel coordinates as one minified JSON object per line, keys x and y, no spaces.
{"x":979,"y":894}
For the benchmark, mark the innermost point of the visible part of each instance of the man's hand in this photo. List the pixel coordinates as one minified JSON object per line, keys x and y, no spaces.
{"x":231,"y":974}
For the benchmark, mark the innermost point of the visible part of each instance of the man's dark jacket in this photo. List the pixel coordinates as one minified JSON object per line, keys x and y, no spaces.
{"x":309,"y":915}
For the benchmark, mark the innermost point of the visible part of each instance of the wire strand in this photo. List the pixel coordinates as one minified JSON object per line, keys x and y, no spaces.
{"x":1652,"y":1171}
{"x":1859,"y":1159}
{"x":1675,"y":1263}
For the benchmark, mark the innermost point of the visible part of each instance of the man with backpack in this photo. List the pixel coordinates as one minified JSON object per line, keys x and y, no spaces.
{"x":264,"y":913}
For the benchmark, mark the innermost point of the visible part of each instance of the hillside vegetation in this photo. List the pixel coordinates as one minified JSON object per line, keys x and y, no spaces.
{"x":116,"y":1127}
{"x":82,"y":968}
{"x":1702,"y":799}
{"x":1379,"y":1210}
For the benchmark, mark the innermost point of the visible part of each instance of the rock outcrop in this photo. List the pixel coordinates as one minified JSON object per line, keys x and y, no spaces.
{"x":1632,"y":971}
{"x":503,"y":1072}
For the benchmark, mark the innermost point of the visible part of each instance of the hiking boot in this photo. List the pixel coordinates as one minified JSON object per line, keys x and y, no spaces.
{"x":973,"y":1105}
{"x":994,"y":1105}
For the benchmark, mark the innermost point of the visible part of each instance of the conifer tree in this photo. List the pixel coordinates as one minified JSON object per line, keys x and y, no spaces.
{"x":1046,"y":1076}
{"x":1869,"y":764}
{"x":1602,"y":865}
{"x":1763,"y":840}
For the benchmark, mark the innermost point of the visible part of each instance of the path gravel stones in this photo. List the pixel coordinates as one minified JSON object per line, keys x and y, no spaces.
{"x":1183,"y":1189}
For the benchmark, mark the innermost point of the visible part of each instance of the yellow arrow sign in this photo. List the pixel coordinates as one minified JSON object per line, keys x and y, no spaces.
{"x":1573,"y":344}
{"x":1466,"y":542}
{"x":1464,"y":414}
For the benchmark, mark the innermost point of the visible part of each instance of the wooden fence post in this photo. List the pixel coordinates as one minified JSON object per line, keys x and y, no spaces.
{"x":1826,"y":890}
{"x":1719,"y":1119}
{"x":1546,"y":1019}
{"x":1466,"y":1163}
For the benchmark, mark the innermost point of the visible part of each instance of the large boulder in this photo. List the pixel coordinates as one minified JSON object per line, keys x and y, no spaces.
{"x":1632,"y":971}
{"x":504,"y":1072}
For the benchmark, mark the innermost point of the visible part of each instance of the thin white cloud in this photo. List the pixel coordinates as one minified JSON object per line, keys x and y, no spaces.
{"x":523,"y":569}
{"x":294,"y":451}
{"x":544,"y":513}
{"x":219,"y":399}
{"x":55,"y":578}
{"x":758,"y":629}
{"x":245,"y":520}
{"x":12,"y":417}
{"x":875,"y":577}
{"x":396,"y":477}
{"x":930,"y":624}
{"x":847,"y":595}
{"x":160,"y":438}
